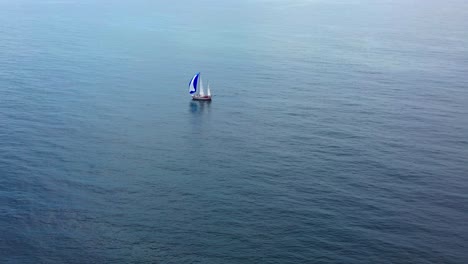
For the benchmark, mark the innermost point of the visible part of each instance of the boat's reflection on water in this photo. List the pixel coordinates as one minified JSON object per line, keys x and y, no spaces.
{"x":199,"y":107}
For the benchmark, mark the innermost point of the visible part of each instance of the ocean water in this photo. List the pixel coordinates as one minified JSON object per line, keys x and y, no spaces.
{"x":338,"y":132}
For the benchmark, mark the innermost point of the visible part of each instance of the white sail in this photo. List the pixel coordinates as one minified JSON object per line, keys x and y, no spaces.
{"x":209,"y":91}
{"x":201,"y":93}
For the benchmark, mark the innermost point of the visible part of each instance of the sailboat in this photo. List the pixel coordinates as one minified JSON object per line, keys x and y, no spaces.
{"x":196,"y":89}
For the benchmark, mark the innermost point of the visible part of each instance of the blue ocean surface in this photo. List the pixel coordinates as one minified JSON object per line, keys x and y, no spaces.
{"x":338,"y":131}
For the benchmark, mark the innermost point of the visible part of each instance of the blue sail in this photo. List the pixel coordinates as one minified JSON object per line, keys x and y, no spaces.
{"x":194,"y":84}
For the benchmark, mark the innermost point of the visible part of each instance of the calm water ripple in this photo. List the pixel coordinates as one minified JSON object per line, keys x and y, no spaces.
{"x":337,"y":134}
